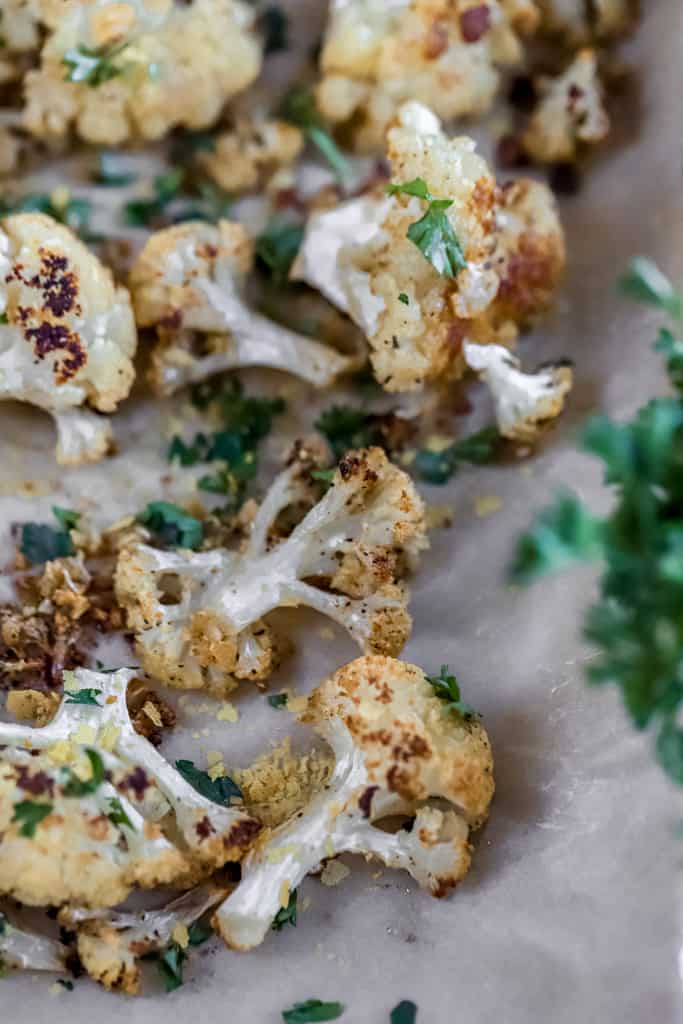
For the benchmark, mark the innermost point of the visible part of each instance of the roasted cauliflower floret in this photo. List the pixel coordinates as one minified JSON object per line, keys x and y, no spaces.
{"x":578,"y":21}
{"x":414,"y":308}
{"x":443,"y":53}
{"x":398,"y":749}
{"x":525,"y":403}
{"x":111,"y":944}
{"x":188,"y":282}
{"x":198,"y":617}
{"x":570,"y":114}
{"x":20,"y":28}
{"x":89,"y":809}
{"x":117,"y":70}
{"x":67,"y":337}
{"x":245,"y":156}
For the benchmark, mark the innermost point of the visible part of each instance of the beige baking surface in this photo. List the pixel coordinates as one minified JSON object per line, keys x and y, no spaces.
{"x":569,"y":914}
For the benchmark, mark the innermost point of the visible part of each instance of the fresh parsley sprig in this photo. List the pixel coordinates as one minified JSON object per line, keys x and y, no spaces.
{"x":171,"y":525}
{"x":636,"y":624}
{"x":30,"y":813}
{"x":433,"y":233}
{"x":439,"y":467}
{"x":222,"y":790}
{"x":299,"y":109}
{"x":94,"y":66}
{"x":286,"y":915}
{"x":311,"y":1011}
{"x":447,"y":689}
{"x":42,"y":543}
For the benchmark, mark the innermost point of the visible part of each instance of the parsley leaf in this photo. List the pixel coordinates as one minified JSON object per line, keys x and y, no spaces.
{"x":95,"y":65}
{"x":30,"y":813}
{"x":346,"y":427}
{"x":404,"y":1013}
{"x":447,"y":689}
{"x":312,"y":1010}
{"x":170,"y":964}
{"x":88,"y":695}
{"x":143,"y":212}
{"x":76,"y":787}
{"x":117,"y":815}
{"x":198,"y":933}
{"x":171,"y":525}
{"x":433,"y":233}
{"x":221,"y":791}
{"x":278,"y":246}
{"x":42,"y":543}
{"x":439,"y":467}
{"x":404,"y":298}
{"x":286,"y":915}
{"x":66,"y":517}
{"x":299,"y":109}
{"x":636,"y":622}
{"x":278,"y":700}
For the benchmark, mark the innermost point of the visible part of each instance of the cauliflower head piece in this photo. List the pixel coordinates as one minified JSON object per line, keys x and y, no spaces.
{"x":188,"y":283}
{"x":570,"y":114}
{"x":413,"y":308}
{"x":445,"y":54}
{"x":67,"y":336}
{"x":525,"y":403}
{"x":247,"y":154}
{"x":399,"y":750}
{"x":199,"y":617}
{"x":20,"y":37}
{"x":89,"y":809}
{"x":115,"y":71}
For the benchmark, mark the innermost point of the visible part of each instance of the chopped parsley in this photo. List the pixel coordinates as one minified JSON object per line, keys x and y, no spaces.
{"x":30,"y":813}
{"x":75,"y":213}
{"x":42,"y":543}
{"x":346,"y":427}
{"x":66,"y":983}
{"x":93,"y":65}
{"x":220,"y":791}
{"x":286,"y":915}
{"x":84,"y":787}
{"x":172,"y":526}
{"x":275,"y":26}
{"x":117,"y":815}
{"x":88,"y":695}
{"x":144,"y":212}
{"x":433,"y":234}
{"x":4,"y":319}
{"x":404,"y":299}
{"x":278,"y":700}
{"x":439,"y":467}
{"x":404,"y":1013}
{"x":447,"y":689}
{"x":636,"y":622}
{"x":299,"y":109}
{"x":278,"y":246}
{"x":312,"y":1010}
{"x":171,"y":961}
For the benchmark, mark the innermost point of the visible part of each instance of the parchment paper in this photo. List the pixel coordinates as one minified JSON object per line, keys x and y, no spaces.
{"x":569,"y":912}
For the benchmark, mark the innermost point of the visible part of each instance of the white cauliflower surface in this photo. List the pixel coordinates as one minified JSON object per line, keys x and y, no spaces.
{"x":198,"y":616}
{"x":67,"y":337}
{"x":188,"y":282}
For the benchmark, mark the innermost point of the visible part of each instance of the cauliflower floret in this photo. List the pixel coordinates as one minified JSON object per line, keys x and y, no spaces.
{"x":578,"y":21}
{"x":198,"y":617}
{"x":20,"y":28}
{"x":570,"y":113}
{"x":525,"y":403}
{"x":67,"y":335}
{"x":443,"y":53}
{"x":111,"y":944}
{"x":246,"y":155}
{"x":416,"y":317}
{"x":85,"y":802}
{"x":188,"y":282}
{"x":399,"y":750}
{"x":153,"y":65}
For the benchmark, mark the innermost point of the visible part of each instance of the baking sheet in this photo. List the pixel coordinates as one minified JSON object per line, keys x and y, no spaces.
{"x":569,"y":912}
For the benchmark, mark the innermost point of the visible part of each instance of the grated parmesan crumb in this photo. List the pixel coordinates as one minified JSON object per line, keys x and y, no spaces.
{"x":334,"y":872}
{"x":280,"y":783}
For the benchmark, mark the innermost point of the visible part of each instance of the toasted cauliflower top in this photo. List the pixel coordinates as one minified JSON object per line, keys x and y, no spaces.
{"x":168,"y":64}
{"x":443,"y":53}
{"x":415,"y":317}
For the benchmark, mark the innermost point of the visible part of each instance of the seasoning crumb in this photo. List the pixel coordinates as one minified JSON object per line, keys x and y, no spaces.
{"x":486,"y":505}
{"x":334,"y":872}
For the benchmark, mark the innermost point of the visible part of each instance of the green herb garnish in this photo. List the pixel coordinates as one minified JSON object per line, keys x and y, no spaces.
{"x":143,"y":212}
{"x":447,"y":689}
{"x":170,"y":964}
{"x":286,"y":915}
{"x":312,"y":1010}
{"x":636,"y":624}
{"x":221,"y":791}
{"x":299,"y":109}
{"x":433,"y":234}
{"x":404,"y":1013}
{"x":95,"y":65}
{"x":88,"y":695}
{"x":66,"y":517}
{"x":117,"y":814}
{"x":41,"y":543}
{"x":439,"y":467}
{"x":346,"y":428}
{"x":171,"y":525}
{"x":278,"y":246}
{"x":30,"y":813}
{"x":84,"y":787}
{"x":278,"y":700}
{"x":404,"y":298}
{"x":66,"y":983}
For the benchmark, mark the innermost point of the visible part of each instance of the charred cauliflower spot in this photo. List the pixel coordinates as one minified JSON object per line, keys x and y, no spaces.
{"x":443,"y":53}
{"x":167,"y":64}
{"x":399,"y":752}
{"x":68,"y":335}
